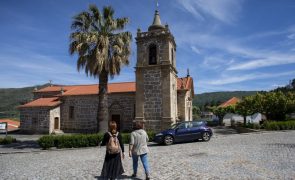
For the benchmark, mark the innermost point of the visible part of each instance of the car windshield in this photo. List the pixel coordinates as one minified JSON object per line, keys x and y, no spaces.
{"x":174,"y":126}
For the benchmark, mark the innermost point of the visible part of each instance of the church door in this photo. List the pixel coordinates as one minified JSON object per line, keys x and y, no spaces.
{"x":116,"y":118}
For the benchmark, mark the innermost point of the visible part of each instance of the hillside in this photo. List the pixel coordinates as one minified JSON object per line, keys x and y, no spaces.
{"x":216,"y":98}
{"x":10,"y":98}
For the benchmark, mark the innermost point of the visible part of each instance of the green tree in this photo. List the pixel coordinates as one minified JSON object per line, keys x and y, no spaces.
{"x":220,"y":112}
{"x":245,"y":107}
{"x":102,"y":49}
{"x":290,"y":102}
{"x":196,"y":112}
{"x":275,"y":105}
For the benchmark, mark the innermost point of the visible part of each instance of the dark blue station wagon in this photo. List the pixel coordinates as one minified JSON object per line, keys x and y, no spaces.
{"x":184,"y":132}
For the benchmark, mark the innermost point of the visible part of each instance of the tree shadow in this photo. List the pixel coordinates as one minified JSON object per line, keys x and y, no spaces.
{"x":224,"y":130}
{"x":30,"y":144}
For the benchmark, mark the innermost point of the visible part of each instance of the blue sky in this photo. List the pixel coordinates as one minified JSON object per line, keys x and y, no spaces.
{"x":228,"y":45}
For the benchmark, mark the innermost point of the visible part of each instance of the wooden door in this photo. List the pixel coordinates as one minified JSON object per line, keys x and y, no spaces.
{"x":116,"y":118}
{"x":56,"y":123}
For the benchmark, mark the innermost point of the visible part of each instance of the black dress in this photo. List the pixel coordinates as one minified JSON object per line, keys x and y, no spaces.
{"x":112,"y":166}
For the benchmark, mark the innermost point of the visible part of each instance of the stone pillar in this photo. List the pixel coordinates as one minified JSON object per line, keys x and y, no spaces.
{"x":139,"y":115}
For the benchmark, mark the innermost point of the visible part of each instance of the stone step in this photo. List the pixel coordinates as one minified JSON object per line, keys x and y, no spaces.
{"x":57,"y":131}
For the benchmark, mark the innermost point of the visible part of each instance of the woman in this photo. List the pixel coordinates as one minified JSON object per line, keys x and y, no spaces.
{"x":112,"y":166}
{"x":138,"y":148}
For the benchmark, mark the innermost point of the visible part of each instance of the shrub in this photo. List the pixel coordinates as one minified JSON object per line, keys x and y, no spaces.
{"x":279,"y":125}
{"x":7,"y":140}
{"x":70,"y":141}
{"x":151,"y":134}
{"x":125,"y":138}
{"x":46,"y":142}
{"x":252,"y":126}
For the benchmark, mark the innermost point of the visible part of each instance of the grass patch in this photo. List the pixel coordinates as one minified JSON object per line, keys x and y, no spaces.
{"x":7,"y":140}
{"x":279,"y":125}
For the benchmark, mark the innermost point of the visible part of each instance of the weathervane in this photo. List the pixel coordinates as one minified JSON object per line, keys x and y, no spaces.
{"x":157,"y":4}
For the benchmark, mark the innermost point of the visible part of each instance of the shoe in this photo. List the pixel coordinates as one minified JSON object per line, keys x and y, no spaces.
{"x":147,"y":177}
{"x":133,"y":175}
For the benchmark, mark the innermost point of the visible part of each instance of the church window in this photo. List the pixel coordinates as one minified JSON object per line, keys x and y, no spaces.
{"x":71,"y":112}
{"x":152,"y":54}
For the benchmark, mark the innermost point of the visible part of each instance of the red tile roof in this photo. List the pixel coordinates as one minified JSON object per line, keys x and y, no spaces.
{"x":231,"y":102}
{"x":43,"y":102}
{"x":184,"y":83}
{"x":12,"y":125}
{"x":92,"y":89}
{"x":54,"y":88}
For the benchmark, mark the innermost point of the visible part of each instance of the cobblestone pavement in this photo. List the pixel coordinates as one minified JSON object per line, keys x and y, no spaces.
{"x":269,"y":155}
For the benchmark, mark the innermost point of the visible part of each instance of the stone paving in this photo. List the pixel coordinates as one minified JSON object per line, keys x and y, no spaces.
{"x":268,"y":155}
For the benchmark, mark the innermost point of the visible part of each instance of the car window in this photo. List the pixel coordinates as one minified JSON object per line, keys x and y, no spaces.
{"x":197,"y":124}
{"x":183,"y":126}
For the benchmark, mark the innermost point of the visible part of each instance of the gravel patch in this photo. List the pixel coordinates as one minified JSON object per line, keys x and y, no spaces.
{"x":269,"y":155}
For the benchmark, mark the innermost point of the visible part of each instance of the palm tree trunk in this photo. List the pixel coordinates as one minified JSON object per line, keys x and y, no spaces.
{"x":103,"y":114}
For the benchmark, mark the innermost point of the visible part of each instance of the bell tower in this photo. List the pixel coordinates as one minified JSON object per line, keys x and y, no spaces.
{"x":156,"y":76}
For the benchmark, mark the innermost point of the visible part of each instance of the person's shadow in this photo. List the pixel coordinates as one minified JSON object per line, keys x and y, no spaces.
{"x":120,"y":177}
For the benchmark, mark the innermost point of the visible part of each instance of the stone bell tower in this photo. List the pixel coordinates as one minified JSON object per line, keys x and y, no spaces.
{"x":156,"y":77}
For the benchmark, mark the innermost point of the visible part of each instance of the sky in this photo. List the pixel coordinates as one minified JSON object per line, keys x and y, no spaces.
{"x":228,"y":45}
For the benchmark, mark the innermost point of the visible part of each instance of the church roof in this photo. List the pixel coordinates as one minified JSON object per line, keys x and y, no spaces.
{"x":43,"y":102}
{"x":92,"y":89}
{"x":230,"y":102}
{"x":184,"y":83}
{"x":157,"y":22}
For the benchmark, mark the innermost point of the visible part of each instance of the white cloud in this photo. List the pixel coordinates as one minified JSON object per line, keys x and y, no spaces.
{"x":230,"y":79}
{"x":196,"y":50}
{"x":223,"y":10}
{"x":291,"y":36}
{"x":281,"y":59}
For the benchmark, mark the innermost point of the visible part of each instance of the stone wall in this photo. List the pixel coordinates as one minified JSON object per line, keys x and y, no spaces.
{"x":123,"y":104}
{"x":181,"y":104}
{"x":85,"y":112}
{"x":35,"y":119}
{"x":152,"y":85}
{"x":184,"y":101}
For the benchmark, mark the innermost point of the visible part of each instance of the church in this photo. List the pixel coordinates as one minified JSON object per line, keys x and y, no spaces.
{"x":158,"y":97}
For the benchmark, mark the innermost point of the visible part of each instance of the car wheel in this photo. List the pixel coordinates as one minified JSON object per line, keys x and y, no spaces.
{"x":168,"y":140}
{"x":205,"y":136}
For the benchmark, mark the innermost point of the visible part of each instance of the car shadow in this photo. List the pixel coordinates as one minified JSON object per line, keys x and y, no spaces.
{"x":185,"y":142}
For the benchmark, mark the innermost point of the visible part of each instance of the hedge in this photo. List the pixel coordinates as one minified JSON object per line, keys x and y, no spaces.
{"x":70,"y":141}
{"x":279,"y":125}
{"x":79,"y":140}
{"x":7,"y":140}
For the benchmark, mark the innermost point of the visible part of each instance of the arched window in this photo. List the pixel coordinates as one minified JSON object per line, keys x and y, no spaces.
{"x":152,"y":54}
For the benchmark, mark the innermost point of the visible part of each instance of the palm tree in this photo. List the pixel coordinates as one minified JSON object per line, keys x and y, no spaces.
{"x":102,"y":49}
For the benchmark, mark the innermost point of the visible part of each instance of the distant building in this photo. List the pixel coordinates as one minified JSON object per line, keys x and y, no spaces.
{"x":231,"y":102}
{"x":158,"y":97}
{"x":11,"y":124}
